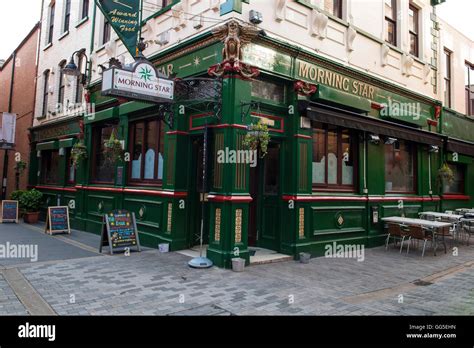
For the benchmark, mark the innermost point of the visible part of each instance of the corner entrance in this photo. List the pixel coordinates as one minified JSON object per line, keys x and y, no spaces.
{"x":264,"y":225}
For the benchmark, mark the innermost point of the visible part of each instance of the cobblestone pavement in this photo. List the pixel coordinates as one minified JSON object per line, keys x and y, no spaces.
{"x":153,"y":283}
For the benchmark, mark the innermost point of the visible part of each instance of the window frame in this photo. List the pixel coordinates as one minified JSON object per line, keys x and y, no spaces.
{"x":67,"y":15}
{"x":106,"y":32}
{"x":42,"y":167}
{"x":468,"y":94}
{"x":160,"y":140}
{"x":393,"y":22}
{"x":447,"y":77}
{"x":415,"y":34}
{"x":85,"y":9}
{"x":46,"y":75}
{"x":339,"y":186}
{"x":97,"y":146}
{"x":52,"y":10}
{"x":414,"y":151}
{"x":62,"y":85}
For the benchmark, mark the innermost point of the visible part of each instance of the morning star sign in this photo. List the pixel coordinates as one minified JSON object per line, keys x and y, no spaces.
{"x":140,"y":82}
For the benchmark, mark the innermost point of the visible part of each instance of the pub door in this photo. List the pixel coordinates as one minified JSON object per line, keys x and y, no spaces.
{"x":197,"y":195}
{"x":264,"y":226}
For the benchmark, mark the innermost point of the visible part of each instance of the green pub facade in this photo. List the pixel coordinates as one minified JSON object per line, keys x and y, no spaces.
{"x":346,"y":149}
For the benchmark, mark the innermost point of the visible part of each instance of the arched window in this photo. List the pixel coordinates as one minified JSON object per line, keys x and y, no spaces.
{"x":44,"y":109}
{"x":62,"y":84}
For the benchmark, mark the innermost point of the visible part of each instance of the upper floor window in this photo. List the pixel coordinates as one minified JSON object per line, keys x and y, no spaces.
{"x":51,"y":23}
{"x":106,"y":32}
{"x":67,"y":15}
{"x":44,"y":110}
{"x":333,"y":164}
{"x":85,"y":9}
{"x":62,"y":84}
{"x":147,"y":148}
{"x":333,"y":7}
{"x":391,"y":21}
{"x":447,"y":78}
{"x":469,"y":88}
{"x":400,"y":167}
{"x":413,"y":28}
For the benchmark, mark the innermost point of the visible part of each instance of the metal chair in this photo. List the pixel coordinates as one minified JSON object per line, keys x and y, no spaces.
{"x":396,"y":232}
{"x":418,"y":233}
{"x":468,"y":228}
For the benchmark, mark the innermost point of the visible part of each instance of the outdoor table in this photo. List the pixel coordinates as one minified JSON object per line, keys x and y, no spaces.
{"x":435,"y":225}
{"x":464,"y":210}
{"x":454,"y":217}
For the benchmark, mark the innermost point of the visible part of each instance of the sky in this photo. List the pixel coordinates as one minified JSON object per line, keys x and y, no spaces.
{"x":17,"y":17}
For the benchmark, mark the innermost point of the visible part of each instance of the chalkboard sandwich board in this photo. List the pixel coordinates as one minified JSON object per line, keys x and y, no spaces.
{"x":57,"y":220}
{"x":9,"y":211}
{"x":119,"y":231}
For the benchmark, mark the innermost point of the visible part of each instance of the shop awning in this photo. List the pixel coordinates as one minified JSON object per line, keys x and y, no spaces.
{"x":371,"y":124}
{"x":460,"y":147}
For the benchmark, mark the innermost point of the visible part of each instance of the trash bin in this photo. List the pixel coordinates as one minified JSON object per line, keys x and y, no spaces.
{"x":304,"y":257}
{"x":238,"y":264}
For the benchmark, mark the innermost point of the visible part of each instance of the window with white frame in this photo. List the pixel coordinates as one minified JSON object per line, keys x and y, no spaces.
{"x":50,"y":31}
{"x":414,"y":30}
{"x":391,"y":22}
{"x":67,"y":15}
{"x":84,"y":9}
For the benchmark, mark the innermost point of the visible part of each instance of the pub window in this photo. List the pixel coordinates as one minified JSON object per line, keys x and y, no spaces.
{"x":413,"y":28}
{"x":85,"y":9}
{"x":391,"y":21}
{"x":49,"y":167}
{"x":265,"y":89}
{"x":147,"y":149}
{"x":469,"y":89}
{"x":447,"y":78}
{"x":70,"y":169}
{"x":106,"y":32}
{"x":44,"y":110}
{"x":67,"y":15}
{"x":333,"y":164}
{"x":62,"y":84}
{"x":103,"y":170}
{"x":52,"y":8}
{"x":457,"y":186}
{"x":400,"y":167}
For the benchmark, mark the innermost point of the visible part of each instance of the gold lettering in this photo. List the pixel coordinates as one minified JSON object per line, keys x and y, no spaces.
{"x":170,"y":70}
{"x":345,"y":84}
{"x":320,"y":76}
{"x":339,"y":81}
{"x":371,"y":92}
{"x":328,"y":78}
{"x":312,"y":73}
{"x":304,"y":68}
{"x":355,"y":87}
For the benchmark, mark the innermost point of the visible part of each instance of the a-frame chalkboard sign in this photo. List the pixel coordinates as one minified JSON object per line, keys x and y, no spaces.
{"x":57,"y":220}
{"x":9,"y":211}
{"x":119,"y":231}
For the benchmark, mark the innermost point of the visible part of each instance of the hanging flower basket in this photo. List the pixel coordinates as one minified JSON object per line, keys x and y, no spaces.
{"x":445,"y":175}
{"x":78,"y":153}
{"x":20,"y":167}
{"x":257,"y":138}
{"x":113,"y":149}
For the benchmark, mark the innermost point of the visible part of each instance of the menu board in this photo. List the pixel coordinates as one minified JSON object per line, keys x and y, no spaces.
{"x":9,"y":211}
{"x":57,"y":220}
{"x":119,"y":231}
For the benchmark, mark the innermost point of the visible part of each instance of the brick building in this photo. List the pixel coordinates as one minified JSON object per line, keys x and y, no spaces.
{"x":17,"y":95}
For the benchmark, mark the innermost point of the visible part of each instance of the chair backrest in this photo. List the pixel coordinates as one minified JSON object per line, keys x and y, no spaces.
{"x":394,"y":229}
{"x":416,"y":232}
{"x":443,"y":231}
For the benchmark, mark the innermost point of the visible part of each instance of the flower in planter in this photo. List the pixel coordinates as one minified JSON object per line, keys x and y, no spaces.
{"x":113,"y":149}
{"x":445,"y":175}
{"x":20,"y":167}
{"x":78,"y":153}
{"x":257,"y":138}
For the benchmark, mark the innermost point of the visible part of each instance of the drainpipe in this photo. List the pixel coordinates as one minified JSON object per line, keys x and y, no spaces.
{"x":5,"y":158}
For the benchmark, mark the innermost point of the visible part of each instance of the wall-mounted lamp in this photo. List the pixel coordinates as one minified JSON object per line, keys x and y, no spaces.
{"x":374,"y":139}
{"x":433,"y":148}
{"x":255,"y":17}
{"x":71,"y":69}
{"x":390,"y":141}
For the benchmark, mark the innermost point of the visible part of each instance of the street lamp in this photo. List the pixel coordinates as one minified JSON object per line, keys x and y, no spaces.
{"x":71,"y":69}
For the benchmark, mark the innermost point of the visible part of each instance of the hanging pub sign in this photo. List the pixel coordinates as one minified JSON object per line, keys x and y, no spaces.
{"x":124,"y":17}
{"x":57,"y":220}
{"x":7,"y":130}
{"x":119,"y":231}
{"x":140,"y":82}
{"x":9,"y":211}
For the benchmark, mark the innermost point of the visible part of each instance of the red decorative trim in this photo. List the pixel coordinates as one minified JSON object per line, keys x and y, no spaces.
{"x":233,"y":199}
{"x":302,"y":136}
{"x":224,"y":125}
{"x":305,"y":88}
{"x":456,"y":197}
{"x":145,"y":192}
{"x":177,"y":132}
{"x":358,"y":198}
{"x":377,"y":106}
{"x":192,"y":117}
{"x":437,"y":113}
{"x":432,"y":122}
{"x":55,"y":188}
{"x":282,"y":121}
